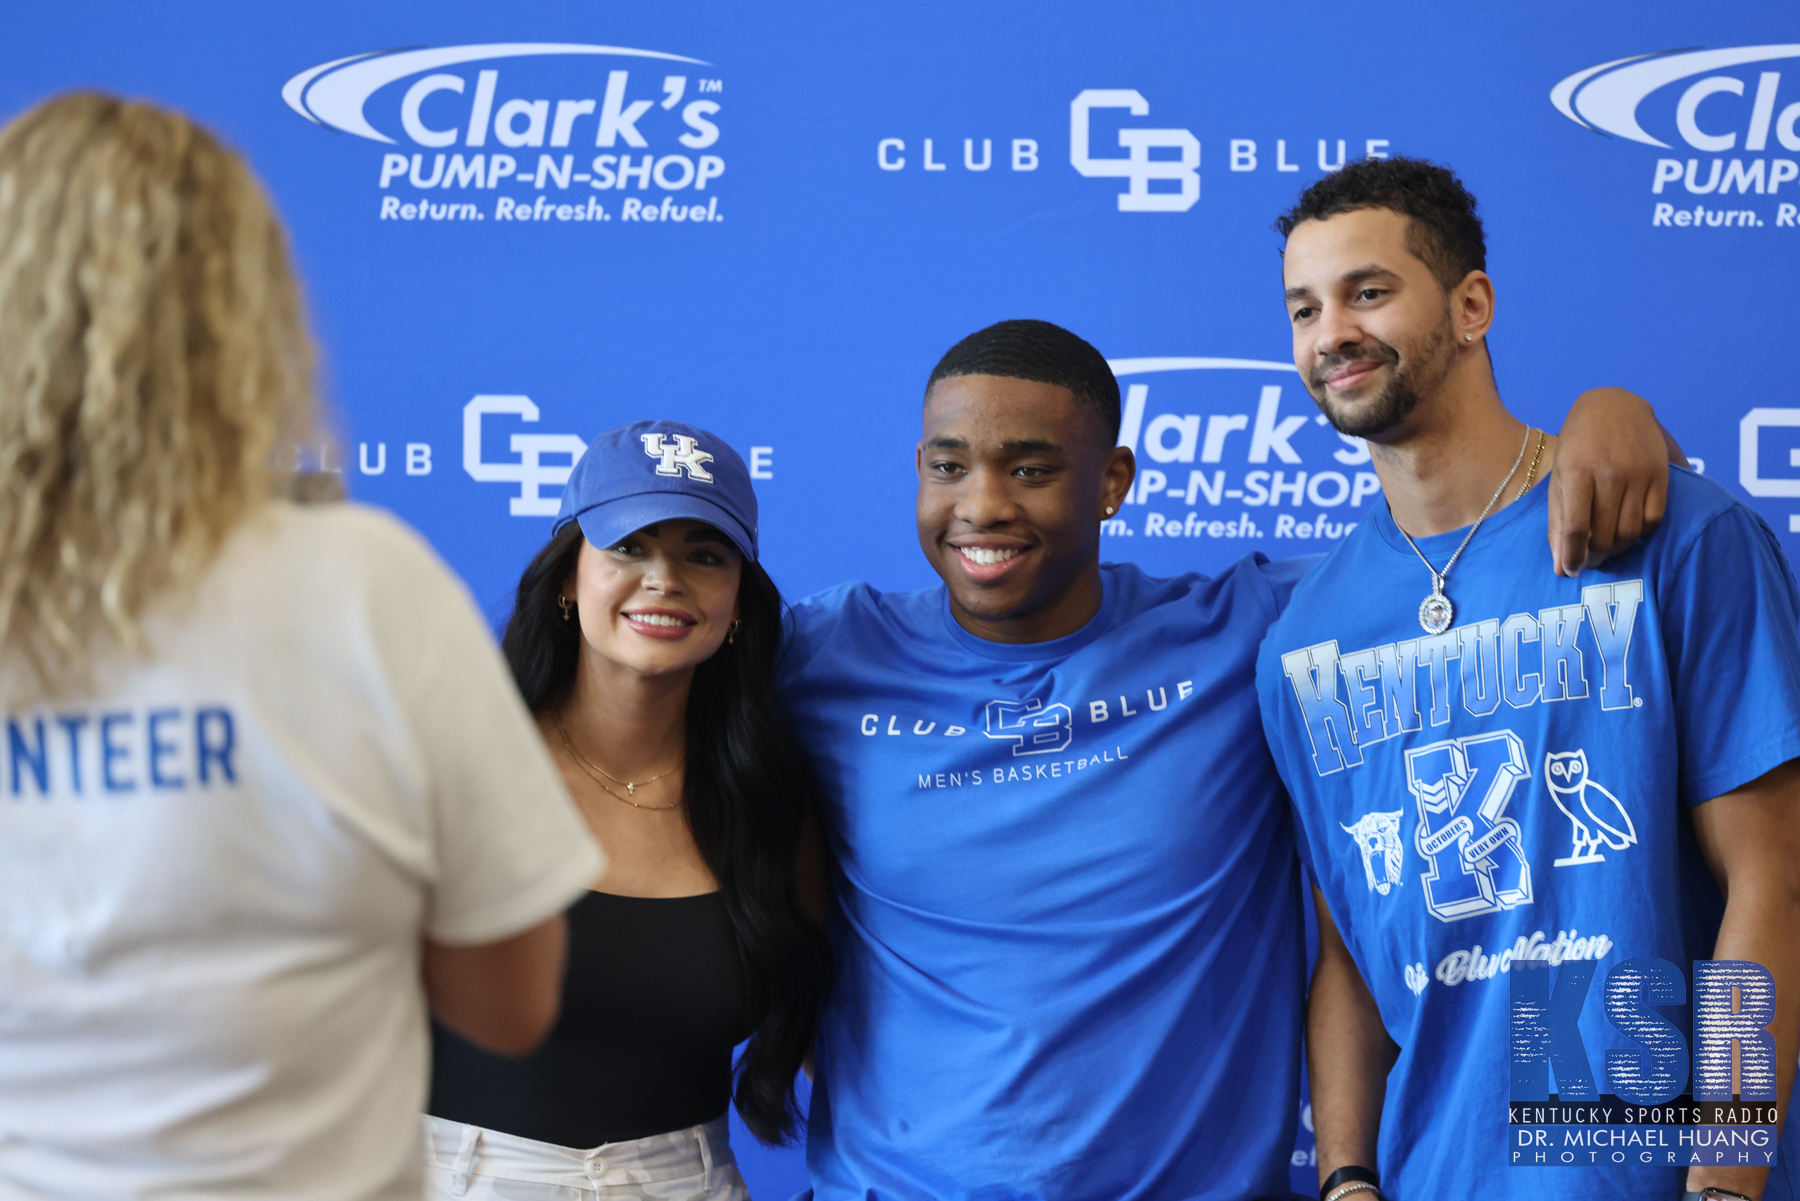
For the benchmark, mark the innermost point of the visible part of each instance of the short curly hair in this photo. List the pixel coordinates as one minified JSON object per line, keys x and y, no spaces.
{"x":1044,"y":354}
{"x":1444,"y":228}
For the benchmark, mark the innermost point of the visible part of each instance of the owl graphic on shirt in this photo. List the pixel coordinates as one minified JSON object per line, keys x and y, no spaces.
{"x":1598,"y":817}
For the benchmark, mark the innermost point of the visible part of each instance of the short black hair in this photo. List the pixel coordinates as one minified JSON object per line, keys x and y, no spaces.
{"x":1044,"y":354}
{"x":1444,"y":229}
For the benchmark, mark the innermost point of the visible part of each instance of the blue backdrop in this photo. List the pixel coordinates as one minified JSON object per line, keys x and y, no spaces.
{"x":523,"y":223}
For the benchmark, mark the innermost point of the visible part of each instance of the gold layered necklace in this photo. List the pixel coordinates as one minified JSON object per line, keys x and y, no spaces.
{"x":631,"y":786}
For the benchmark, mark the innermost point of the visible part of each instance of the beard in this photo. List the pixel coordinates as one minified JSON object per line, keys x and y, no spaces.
{"x":1395,"y":402}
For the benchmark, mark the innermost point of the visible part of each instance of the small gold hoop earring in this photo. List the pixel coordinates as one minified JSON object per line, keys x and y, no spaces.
{"x":731,"y":633}
{"x":566,"y":605}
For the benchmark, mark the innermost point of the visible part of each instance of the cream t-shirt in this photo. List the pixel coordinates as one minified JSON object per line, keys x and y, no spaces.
{"x":215,"y":874}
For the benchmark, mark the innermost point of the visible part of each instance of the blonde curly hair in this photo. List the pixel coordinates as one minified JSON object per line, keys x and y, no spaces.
{"x":154,"y":366}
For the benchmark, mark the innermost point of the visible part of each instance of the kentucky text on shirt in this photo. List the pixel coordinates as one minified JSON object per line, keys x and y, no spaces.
{"x":1382,"y":684}
{"x":120,"y":751}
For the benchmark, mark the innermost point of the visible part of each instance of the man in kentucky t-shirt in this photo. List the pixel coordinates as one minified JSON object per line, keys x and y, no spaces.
{"x":1492,"y":765}
{"x":1069,"y":944}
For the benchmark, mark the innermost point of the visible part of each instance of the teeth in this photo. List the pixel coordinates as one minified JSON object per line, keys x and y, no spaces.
{"x":985,"y":557}
{"x":657,"y":619}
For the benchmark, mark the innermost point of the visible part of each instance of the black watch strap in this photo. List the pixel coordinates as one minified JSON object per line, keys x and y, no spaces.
{"x":1345,"y":1176}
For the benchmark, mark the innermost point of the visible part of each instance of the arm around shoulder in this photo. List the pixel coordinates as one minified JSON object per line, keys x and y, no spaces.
{"x":1610,"y":485}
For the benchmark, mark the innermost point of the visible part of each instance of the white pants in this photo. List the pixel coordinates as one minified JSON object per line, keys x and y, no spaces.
{"x":695,"y":1164}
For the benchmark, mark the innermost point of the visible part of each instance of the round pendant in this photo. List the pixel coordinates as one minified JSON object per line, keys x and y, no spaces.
{"x":1436,"y":613}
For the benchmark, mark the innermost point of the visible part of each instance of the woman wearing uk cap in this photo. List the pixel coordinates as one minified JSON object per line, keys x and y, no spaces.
{"x":644,"y":639}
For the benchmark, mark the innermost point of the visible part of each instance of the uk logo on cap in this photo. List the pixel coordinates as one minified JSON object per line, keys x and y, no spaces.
{"x":682,"y":454}
{"x":692,"y":475}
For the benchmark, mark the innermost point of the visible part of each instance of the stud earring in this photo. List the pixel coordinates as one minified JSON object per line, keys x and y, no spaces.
{"x":566,"y":605}
{"x":1109,"y":510}
{"x":1468,"y":337}
{"x":731,"y":633}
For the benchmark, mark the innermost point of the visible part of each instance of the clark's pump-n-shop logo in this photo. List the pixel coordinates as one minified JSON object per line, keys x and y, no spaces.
{"x":1724,"y":125}
{"x":528,"y":131}
{"x":1233,"y":449}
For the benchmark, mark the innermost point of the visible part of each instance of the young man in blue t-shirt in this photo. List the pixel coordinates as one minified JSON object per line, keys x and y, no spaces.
{"x":1069,"y":939}
{"x":1492,"y":765}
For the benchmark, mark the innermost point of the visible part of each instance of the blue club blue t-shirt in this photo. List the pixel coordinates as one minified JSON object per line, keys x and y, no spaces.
{"x":1519,"y":786}
{"x":1070,"y":958}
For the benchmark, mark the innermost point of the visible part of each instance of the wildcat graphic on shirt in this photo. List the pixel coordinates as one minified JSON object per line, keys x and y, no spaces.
{"x":1378,"y":836}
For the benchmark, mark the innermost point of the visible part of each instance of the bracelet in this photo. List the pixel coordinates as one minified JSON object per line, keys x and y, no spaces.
{"x":1360,"y":1186}
{"x":1345,"y":1175}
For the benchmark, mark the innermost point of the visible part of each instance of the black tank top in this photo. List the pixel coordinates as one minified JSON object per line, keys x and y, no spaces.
{"x":653,"y":1003}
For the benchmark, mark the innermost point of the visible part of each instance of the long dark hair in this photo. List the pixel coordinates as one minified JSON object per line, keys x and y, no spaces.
{"x":749,"y":792}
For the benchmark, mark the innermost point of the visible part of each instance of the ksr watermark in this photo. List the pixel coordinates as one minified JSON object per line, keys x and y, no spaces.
{"x":1644,"y":1116}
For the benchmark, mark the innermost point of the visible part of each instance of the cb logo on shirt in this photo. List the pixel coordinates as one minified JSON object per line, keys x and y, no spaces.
{"x":1044,"y":729}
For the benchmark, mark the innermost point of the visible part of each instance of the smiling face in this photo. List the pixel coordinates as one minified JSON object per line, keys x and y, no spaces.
{"x":660,"y":600}
{"x":1014,"y":479}
{"x":1374,"y":330}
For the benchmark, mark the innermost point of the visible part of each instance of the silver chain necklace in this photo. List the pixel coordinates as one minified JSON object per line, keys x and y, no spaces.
{"x":1435,"y":611}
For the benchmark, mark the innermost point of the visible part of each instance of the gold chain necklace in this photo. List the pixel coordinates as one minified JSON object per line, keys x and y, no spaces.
{"x":630,"y":786}
{"x":1537,"y":457}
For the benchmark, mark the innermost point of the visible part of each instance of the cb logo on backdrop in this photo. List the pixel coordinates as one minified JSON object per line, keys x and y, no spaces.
{"x":1160,"y":164}
{"x":1750,"y":475}
{"x":1137,"y":166}
{"x":530,"y":472}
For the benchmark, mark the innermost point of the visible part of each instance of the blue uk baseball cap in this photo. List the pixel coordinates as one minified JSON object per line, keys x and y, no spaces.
{"x":649,"y":471}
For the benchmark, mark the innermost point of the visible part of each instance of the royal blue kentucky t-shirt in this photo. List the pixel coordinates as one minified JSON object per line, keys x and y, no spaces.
{"x":1069,"y":950}
{"x":1518,"y":787}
